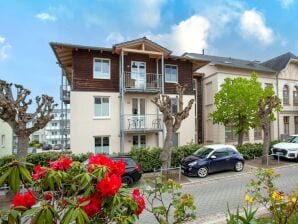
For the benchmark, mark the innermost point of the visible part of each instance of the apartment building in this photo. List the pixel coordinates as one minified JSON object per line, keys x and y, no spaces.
{"x":5,"y":139}
{"x":286,"y":67}
{"x":111,"y":91}
{"x":57,"y":130}
{"x":281,"y":72}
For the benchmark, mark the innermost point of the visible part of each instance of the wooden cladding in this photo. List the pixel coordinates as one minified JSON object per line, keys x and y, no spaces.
{"x":83,"y":71}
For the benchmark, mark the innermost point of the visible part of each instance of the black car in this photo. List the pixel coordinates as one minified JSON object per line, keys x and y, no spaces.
{"x":133,"y":172}
{"x":211,"y":159}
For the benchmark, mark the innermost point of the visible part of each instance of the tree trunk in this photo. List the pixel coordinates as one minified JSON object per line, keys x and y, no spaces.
{"x":266,"y":144}
{"x":23,"y":142}
{"x":166,"y":153}
{"x":240,"y":138}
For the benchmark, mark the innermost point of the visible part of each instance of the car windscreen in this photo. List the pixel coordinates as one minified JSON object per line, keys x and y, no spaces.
{"x":203,"y":152}
{"x":293,"y":139}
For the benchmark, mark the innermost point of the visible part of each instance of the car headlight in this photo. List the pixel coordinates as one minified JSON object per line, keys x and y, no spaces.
{"x":193,"y":163}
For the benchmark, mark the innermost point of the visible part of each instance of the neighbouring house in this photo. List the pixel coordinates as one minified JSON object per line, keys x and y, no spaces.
{"x":212,"y":76}
{"x":5,"y":139}
{"x":57,"y":130}
{"x":286,"y":66}
{"x":111,"y":90}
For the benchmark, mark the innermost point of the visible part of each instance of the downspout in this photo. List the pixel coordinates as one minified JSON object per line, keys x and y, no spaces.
{"x":278,"y":131}
{"x":157,"y":110}
{"x":162,"y":91}
{"x":121,"y":73}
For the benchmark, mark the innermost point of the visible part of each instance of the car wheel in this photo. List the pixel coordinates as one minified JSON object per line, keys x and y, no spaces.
{"x":239,"y":166}
{"x":127,"y":180}
{"x":202,"y":172}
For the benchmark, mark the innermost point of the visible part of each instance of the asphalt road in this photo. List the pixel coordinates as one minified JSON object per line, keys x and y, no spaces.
{"x":212,"y":195}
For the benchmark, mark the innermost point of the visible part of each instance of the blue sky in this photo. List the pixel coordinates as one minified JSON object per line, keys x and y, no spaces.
{"x":254,"y":30}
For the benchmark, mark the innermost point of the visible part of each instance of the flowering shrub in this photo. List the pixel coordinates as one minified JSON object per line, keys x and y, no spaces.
{"x":283,"y":208}
{"x":71,"y":192}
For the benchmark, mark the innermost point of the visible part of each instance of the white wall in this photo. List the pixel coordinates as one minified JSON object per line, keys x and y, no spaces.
{"x":6,"y":132}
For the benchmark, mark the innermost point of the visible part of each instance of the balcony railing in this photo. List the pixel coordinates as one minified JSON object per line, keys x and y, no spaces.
{"x":142,"y":82}
{"x":64,"y":94}
{"x":142,"y":123}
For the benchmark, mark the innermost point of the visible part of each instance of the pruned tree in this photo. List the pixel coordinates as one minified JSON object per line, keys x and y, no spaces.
{"x":268,"y":104}
{"x":171,"y":121}
{"x":237,"y":104}
{"x":14,"y":111}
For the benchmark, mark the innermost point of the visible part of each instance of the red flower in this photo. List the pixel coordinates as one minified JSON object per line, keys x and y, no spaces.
{"x":118,"y":167}
{"x":137,"y":197}
{"x":48,"y":196}
{"x":39,"y":172}
{"x":109,"y":185}
{"x":26,"y":200}
{"x":94,"y":205}
{"x":63,"y":163}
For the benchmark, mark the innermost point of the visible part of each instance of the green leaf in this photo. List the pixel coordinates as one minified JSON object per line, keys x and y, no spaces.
{"x":68,"y":216}
{"x":14,"y":179}
{"x":4,"y":176}
{"x":25,"y":173}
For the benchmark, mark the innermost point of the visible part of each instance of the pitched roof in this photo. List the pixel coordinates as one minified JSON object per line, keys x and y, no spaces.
{"x":280,"y":62}
{"x":230,"y":62}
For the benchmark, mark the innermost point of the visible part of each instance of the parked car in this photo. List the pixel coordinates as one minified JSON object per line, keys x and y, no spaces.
{"x":133,"y":171}
{"x":57,"y":147}
{"x":287,"y":149}
{"x":211,"y":159}
{"x":46,"y":146}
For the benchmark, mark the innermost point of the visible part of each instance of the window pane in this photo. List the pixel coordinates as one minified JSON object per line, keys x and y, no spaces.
{"x":135,"y":140}
{"x":171,"y":73}
{"x":174,"y":105}
{"x":143,"y":140}
{"x":105,"y":107}
{"x":101,"y":68}
{"x":175,"y":139}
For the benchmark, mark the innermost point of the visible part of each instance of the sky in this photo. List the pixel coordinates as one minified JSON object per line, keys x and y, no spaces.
{"x":252,"y":30}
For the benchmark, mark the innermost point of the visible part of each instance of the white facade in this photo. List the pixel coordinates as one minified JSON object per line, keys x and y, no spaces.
{"x":6,"y":136}
{"x":88,"y":131}
{"x":57,"y":133}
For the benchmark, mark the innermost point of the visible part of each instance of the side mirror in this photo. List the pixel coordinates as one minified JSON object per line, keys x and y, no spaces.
{"x":213,"y":157}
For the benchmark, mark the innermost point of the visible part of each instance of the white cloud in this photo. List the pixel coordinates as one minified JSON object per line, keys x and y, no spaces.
{"x":115,"y":38}
{"x":286,"y":3}
{"x":252,"y":25}
{"x":147,"y":13}
{"x":45,"y":17}
{"x":4,"y":47}
{"x":189,"y":35}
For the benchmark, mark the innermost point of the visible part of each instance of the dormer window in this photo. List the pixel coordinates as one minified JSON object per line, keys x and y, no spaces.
{"x":101,"y":68}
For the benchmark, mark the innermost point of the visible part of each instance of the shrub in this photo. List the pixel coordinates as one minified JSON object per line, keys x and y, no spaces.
{"x":249,"y":151}
{"x":71,"y":192}
{"x":149,"y":160}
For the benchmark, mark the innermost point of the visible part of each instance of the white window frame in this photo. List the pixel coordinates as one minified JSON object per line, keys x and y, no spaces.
{"x":101,"y":117}
{"x":2,"y":141}
{"x":108,"y":59}
{"x":167,"y":81}
{"x":139,"y":141}
{"x":102,"y":136}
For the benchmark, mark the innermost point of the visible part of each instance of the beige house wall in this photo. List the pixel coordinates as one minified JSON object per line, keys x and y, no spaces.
{"x":214,"y":77}
{"x":84,"y":127}
{"x":5,"y":139}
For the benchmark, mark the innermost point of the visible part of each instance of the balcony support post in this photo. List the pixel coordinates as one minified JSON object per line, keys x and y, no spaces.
{"x":122,"y":102}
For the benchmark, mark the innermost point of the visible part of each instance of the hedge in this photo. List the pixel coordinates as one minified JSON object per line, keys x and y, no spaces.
{"x":148,"y":158}
{"x":249,"y":151}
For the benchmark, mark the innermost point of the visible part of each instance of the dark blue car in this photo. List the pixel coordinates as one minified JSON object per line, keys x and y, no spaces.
{"x":211,"y":159}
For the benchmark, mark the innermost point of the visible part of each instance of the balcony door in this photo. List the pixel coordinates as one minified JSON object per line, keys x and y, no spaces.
{"x":138,"y":74}
{"x":139,"y":112}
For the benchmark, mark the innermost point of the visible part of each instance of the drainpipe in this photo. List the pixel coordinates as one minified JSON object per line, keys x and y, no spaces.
{"x":157,"y":110}
{"x":162,"y":91}
{"x":121,"y":68}
{"x":278,"y":134}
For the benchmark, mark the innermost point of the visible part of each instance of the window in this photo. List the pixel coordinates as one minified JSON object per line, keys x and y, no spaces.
{"x":101,"y":145}
{"x":174,"y":105}
{"x":171,"y":73}
{"x":101,"y":107}
{"x":286,"y":125}
{"x":268,"y":85}
{"x":295,"y":96}
{"x":221,"y":153}
{"x":175,"y":139}
{"x":54,"y":124}
{"x":296,"y":124}
{"x":285,"y":95}
{"x":2,"y":140}
{"x":257,"y":133}
{"x":101,"y":68}
{"x":231,"y":135}
{"x":139,"y":140}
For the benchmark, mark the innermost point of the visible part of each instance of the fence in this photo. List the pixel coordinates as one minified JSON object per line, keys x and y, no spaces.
{"x":169,"y":173}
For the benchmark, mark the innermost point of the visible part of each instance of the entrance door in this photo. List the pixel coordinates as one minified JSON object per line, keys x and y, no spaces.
{"x":138,"y":74}
{"x":139,"y":112}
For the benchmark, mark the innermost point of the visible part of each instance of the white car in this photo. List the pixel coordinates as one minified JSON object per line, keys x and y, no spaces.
{"x":287,"y":149}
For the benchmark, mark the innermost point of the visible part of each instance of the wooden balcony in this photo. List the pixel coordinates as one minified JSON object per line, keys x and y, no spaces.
{"x":142,"y":82}
{"x":145,"y":123}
